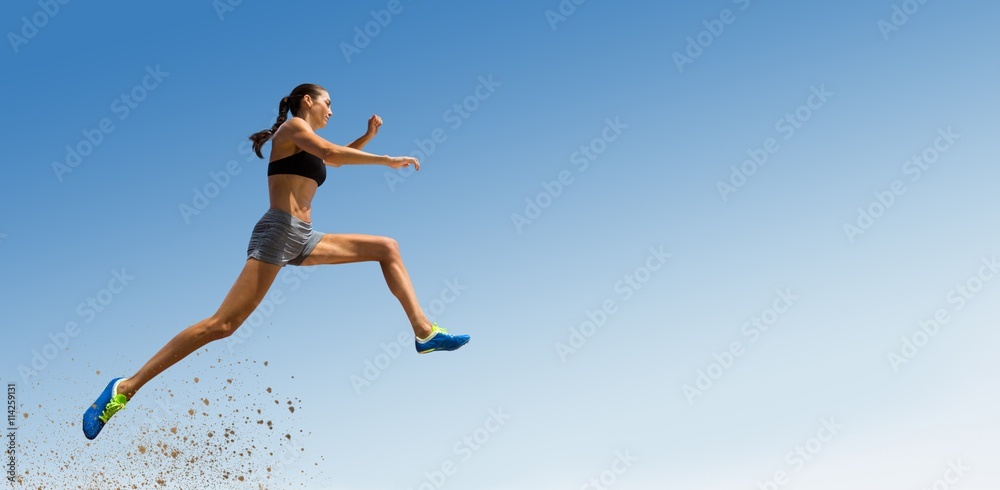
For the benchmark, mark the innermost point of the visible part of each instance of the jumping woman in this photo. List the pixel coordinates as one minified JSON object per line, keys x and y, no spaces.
{"x":284,"y":235}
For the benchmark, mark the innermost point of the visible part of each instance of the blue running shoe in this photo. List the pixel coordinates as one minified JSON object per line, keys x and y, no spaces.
{"x":440,"y":339}
{"x":106,"y":405}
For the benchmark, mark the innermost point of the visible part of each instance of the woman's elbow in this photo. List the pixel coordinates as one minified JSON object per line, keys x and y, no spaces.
{"x":332,"y":156}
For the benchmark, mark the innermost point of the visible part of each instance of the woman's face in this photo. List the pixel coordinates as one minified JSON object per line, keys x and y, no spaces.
{"x":319,"y":108}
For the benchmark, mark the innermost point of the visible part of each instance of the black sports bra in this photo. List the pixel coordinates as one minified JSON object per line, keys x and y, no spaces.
{"x":301,"y":163}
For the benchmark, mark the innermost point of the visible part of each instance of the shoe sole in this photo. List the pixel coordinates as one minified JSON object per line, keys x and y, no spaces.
{"x":434,"y":348}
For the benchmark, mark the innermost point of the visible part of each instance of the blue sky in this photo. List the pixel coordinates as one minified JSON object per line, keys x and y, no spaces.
{"x":572,"y":162}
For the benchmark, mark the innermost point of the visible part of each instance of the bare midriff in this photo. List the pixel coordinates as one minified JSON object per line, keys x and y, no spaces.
{"x":292,"y":194}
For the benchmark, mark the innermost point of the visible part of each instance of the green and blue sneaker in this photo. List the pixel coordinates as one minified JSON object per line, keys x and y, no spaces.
{"x":106,"y":405}
{"x":440,"y":339}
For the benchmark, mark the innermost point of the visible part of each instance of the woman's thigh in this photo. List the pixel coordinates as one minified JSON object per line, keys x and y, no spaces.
{"x":346,"y":248}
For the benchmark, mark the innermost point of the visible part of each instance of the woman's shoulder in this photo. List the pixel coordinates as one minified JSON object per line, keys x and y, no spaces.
{"x":281,"y":139}
{"x":295,"y":123}
{"x":282,"y":148}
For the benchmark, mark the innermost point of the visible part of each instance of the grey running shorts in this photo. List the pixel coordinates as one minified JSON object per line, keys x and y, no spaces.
{"x":280,"y":238}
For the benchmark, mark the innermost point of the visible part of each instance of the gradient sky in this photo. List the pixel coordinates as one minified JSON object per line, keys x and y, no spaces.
{"x":661,"y":135}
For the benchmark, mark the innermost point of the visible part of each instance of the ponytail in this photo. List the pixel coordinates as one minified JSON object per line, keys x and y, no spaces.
{"x":261,"y":137}
{"x":288,"y":103}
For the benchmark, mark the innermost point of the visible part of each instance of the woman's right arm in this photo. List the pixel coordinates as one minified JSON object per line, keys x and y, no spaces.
{"x":304,"y":137}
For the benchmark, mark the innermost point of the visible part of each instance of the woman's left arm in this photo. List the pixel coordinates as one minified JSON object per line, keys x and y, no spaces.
{"x":360,"y":142}
{"x":373,"y":124}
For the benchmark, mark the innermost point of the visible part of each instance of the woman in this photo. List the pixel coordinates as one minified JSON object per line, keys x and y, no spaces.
{"x":284,"y":235}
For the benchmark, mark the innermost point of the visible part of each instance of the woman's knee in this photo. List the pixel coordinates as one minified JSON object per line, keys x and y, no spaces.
{"x":219,"y":327}
{"x":389,"y":248}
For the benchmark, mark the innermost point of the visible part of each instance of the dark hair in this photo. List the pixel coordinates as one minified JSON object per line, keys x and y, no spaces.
{"x":292,"y":101}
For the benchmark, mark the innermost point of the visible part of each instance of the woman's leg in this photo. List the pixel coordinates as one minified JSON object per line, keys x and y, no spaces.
{"x":248,"y":291}
{"x":342,"y":249}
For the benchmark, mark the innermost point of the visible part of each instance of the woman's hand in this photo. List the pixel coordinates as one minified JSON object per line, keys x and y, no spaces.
{"x":398,"y":162}
{"x":373,"y":124}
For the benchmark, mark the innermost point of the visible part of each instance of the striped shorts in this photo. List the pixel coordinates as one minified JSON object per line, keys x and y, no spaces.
{"x":280,"y":238}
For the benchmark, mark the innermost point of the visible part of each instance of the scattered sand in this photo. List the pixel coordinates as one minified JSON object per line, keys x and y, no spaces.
{"x":155,"y":445}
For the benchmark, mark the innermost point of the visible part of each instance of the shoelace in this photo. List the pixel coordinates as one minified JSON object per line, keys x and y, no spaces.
{"x":117,"y":403}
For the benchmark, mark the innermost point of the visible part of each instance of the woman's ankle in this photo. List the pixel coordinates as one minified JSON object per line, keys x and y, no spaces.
{"x":125,"y":388}
{"x":422,"y":330}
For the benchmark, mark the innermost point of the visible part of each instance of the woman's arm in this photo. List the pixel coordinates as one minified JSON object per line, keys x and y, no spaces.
{"x":360,"y":142}
{"x":373,"y":124}
{"x":304,"y":137}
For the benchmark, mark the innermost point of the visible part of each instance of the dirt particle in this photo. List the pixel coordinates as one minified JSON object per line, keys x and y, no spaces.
{"x":181,"y":454}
